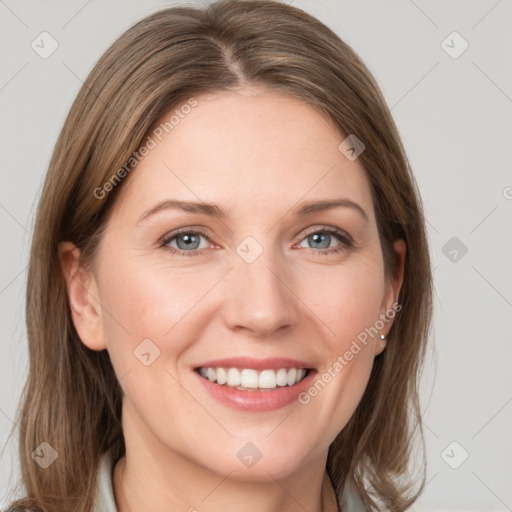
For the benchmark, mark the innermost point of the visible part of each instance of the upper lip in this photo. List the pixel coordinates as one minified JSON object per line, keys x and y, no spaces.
{"x":272,"y":363}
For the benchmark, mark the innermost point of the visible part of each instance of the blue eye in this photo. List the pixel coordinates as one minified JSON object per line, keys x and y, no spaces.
{"x":324,"y":237}
{"x":188,"y":241}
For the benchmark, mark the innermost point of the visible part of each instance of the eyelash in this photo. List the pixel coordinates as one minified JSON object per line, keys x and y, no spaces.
{"x":346,"y":241}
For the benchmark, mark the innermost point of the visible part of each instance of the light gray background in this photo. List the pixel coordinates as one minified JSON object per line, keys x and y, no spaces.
{"x":454,"y":115}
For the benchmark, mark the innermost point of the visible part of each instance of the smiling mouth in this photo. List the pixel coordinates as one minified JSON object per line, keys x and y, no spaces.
{"x":249,"y":379}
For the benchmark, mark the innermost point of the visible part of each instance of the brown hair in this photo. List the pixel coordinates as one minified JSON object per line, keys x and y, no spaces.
{"x":72,"y":399}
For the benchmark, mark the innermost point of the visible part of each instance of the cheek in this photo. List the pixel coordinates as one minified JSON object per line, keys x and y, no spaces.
{"x":350,"y":308}
{"x":351,"y":299}
{"x":145,"y":303}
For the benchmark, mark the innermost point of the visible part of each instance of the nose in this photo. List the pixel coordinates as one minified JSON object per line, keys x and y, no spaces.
{"x":258,"y":300}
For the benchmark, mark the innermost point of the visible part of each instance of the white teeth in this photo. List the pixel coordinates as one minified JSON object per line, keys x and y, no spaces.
{"x":267,"y":379}
{"x":292,"y":375}
{"x":233,"y":377}
{"x":282,"y":377}
{"x":222,"y":377}
{"x":251,"y":379}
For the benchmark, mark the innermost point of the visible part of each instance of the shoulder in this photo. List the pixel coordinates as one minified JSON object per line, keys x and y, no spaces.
{"x":351,"y":500}
{"x":105,"y":501}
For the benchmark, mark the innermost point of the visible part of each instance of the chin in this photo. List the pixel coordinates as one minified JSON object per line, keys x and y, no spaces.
{"x":259,"y":462}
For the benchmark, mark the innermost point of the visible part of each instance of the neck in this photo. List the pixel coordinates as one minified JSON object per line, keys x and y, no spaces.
{"x":137,"y":491}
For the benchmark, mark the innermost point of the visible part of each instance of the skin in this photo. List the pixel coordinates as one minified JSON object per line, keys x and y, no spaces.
{"x":256,"y":154}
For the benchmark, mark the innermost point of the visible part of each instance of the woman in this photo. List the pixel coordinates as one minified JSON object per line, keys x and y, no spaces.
{"x":229,"y":291}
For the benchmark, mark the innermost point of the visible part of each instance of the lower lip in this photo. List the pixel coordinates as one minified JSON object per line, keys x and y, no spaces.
{"x":257,"y":400}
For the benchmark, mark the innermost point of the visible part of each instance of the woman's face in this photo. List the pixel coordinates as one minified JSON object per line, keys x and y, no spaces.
{"x":263,"y":281}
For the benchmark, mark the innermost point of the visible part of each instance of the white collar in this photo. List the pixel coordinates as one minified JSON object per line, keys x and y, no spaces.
{"x":105,"y":501}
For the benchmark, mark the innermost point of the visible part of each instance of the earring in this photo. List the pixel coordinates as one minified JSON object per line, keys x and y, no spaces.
{"x":383,"y":339}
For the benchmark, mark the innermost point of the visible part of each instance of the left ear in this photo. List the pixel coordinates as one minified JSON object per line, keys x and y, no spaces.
{"x":393,"y":286}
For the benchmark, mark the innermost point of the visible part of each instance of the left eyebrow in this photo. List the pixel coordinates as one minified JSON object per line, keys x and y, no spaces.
{"x":308,"y":207}
{"x":212,"y":210}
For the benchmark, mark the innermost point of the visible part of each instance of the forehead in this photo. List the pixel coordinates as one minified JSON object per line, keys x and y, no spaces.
{"x":251,"y":149}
